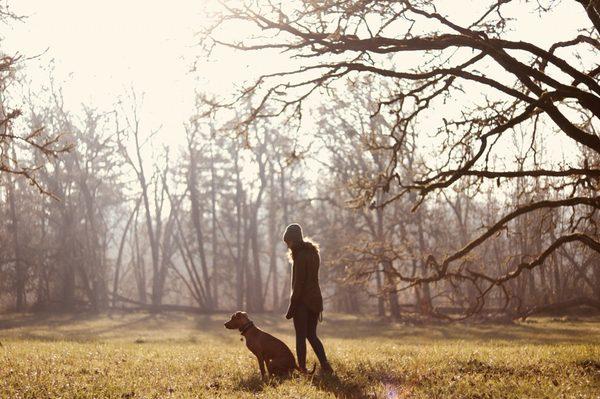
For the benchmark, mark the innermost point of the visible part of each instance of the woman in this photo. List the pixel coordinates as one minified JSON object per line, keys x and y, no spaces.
{"x":306,"y":302}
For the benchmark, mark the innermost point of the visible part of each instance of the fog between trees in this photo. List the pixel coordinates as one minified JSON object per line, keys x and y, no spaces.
{"x":447,"y":168}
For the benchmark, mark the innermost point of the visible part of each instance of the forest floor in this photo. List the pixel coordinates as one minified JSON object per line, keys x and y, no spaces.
{"x":184,"y":356}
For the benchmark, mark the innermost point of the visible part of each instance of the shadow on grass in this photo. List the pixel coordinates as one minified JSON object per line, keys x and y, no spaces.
{"x":590,"y":366}
{"x":542,"y":333}
{"x":253,"y":383}
{"x":85,"y":326}
{"x":339,"y":387}
{"x":44,"y":326}
{"x":210,"y":322}
{"x":44,"y":319}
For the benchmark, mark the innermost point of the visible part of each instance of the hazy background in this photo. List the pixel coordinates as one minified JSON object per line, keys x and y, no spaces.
{"x":160,"y":202}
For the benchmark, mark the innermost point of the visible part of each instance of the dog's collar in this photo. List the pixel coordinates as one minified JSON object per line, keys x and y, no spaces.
{"x":246,"y":327}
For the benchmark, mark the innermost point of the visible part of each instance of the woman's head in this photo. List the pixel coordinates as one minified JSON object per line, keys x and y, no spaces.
{"x":293,"y":235}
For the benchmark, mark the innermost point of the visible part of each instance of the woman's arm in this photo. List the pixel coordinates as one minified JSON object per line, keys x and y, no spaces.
{"x":298,"y":282}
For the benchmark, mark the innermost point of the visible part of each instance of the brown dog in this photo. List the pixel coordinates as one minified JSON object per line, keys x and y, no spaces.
{"x":268,"y":350}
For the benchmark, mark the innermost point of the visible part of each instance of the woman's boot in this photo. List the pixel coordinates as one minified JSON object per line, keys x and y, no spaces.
{"x":326,"y":368}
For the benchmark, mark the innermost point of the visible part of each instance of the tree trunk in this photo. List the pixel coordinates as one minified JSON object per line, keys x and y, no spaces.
{"x":273,"y":239}
{"x":213,"y":200}
{"x":120,"y":252}
{"x":256,"y":286}
{"x":285,"y":290}
{"x":390,"y":283}
{"x":197,"y":223}
{"x":425,"y":297}
{"x":139,"y":267}
{"x":43,"y":290}
{"x":239,"y":206}
{"x":20,"y":272}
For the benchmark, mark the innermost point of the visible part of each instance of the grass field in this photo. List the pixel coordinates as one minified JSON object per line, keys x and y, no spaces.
{"x":185,"y":356}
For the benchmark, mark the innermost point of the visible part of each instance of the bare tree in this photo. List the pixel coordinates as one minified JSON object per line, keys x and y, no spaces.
{"x":551,"y":90}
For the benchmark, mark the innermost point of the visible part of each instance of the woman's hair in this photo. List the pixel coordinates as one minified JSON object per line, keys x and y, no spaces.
{"x":307,"y":242}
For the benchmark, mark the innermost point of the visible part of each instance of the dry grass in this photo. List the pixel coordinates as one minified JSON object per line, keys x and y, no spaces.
{"x":184,"y":356}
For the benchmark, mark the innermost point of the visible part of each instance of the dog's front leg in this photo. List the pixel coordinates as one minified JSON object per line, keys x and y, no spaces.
{"x":261,"y":364}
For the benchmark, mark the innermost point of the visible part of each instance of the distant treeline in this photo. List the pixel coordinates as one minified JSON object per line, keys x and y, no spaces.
{"x":435,"y":190}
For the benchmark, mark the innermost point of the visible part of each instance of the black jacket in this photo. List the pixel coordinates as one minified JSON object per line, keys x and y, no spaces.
{"x":305,"y":278}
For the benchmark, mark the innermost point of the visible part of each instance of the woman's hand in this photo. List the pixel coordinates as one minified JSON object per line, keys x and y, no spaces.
{"x":290,"y":312}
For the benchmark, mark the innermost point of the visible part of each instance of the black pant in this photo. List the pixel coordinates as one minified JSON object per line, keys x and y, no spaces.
{"x":305,"y":323}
